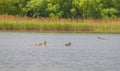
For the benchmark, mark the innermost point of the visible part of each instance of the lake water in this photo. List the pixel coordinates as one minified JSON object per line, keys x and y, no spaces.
{"x":87,"y":53}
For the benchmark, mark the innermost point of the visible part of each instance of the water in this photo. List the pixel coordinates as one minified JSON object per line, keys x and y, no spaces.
{"x":19,"y":53}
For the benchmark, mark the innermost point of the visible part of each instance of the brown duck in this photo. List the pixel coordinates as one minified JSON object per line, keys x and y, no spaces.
{"x":41,"y":44}
{"x":68,"y":44}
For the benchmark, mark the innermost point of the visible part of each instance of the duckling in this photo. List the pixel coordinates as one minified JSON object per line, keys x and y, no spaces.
{"x":41,"y":44}
{"x":101,"y":38}
{"x":68,"y":44}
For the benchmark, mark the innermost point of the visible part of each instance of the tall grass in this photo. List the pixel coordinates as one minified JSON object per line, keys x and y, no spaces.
{"x":42,"y":27}
{"x":17,"y":23}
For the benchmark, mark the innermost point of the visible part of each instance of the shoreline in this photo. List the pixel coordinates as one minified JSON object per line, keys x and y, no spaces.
{"x":49,"y":32}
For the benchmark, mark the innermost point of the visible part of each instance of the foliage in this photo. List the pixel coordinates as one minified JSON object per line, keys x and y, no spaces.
{"x":36,"y":8}
{"x":108,"y":13}
{"x":62,"y":8}
{"x":12,"y":7}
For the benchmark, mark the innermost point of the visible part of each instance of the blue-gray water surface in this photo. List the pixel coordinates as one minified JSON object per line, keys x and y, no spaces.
{"x":86,"y":53}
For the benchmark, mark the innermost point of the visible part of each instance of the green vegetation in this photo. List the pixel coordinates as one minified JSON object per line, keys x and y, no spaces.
{"x":85,"y":9}
{"x":43,"y":27}
{"x":60,"y":15}
{"x":12,"y":23}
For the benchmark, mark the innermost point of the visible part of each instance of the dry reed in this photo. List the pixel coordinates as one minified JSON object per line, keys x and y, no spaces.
{"x":23,"y":23}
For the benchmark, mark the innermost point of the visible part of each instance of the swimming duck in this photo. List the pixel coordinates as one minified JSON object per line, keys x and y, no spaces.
{"x":101,"y":38}
{"x":68,"y":44}
{"x":41,"y":44}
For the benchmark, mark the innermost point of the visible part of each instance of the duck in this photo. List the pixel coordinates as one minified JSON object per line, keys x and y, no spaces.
{"x":41,"y":44}
{"x":100,"y":38}
{"x":68,"y":44}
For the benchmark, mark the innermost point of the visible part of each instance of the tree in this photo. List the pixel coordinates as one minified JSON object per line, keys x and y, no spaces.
{"x":62,"y":8}
{"x":111,"y":9}
{"x":53,"y":9}
{"x":90,"y":8}
{"x":59,"y":8}
{"x":12,"y":7}
{"x":108,"y":13}
{"x":36,"y":8}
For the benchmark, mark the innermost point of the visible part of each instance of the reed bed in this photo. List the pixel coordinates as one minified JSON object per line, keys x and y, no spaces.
{"x":18,"y":23}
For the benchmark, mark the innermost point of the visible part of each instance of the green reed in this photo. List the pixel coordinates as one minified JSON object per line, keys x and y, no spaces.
{"x":23,"y":23}
{"x":58,"y":27}
{"x":34,"y":26}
